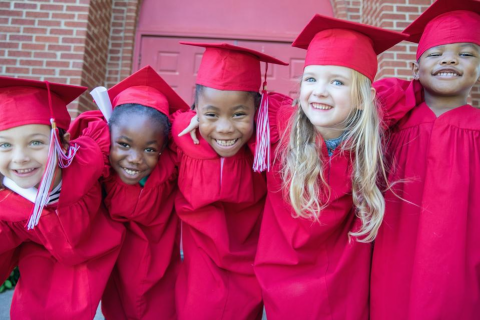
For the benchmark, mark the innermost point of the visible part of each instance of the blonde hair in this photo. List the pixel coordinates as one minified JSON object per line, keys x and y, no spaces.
{"x":303,"y":167}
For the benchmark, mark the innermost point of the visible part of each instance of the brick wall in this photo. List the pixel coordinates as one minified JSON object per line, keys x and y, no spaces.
{"x":95,"y":53}
{"x":43,"y":40}
{"x":394,"y":15}
{"x":122,"y":38}
{"x":79,"y":42}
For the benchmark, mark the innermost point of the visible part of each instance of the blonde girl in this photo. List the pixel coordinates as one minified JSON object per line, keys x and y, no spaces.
{"x":324,"y":204}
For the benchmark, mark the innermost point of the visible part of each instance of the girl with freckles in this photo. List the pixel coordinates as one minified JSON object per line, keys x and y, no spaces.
{"x":221,"y":199}
{"x":140,"y":193}
{"x":53,"y":224}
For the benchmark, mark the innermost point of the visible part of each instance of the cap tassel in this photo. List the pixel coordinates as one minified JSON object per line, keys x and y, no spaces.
{"x":56,"y":155}
{"x":262,"y":148}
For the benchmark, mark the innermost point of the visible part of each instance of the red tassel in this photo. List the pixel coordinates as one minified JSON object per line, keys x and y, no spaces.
{"x":55,"y":156}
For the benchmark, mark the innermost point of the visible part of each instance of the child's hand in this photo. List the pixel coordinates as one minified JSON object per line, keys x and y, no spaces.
{"x":191,"y":128}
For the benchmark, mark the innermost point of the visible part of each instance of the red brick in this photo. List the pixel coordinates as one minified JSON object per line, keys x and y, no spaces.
{"x":63,"y":32}
{"x":45,"y":55}
{"x":9,"y":29}
{"x":16,"y":70}
{"x":35,"y":30}
{"x":66,"y":1}
{"x":56,"y":48}
{"x":23,"y":22}
{"x":43,"y":71}
{"x":74,"y":24}
{"x":71,"y":73}
{"x":3,"y":37}
{"x":58,"y":64}
{"x":4,"y":20}
{"x":11,"y":13}
{"x":63,"y":16}
{"x":10,"y":62}
{"x":37,"y":14}
{"x":77,"y":9}
{"x":51,"y":7}
{"x":407,"y":9}
{"x":73,"y":40}
{"x":19,"y":37}
{"x":23,"y":5}
{"x":16,"y":53}
{"x":31,"y":63}
{"x":394,"y":16}
{"x":73,"y":56}
{"x":81,"y":16}
{"x":33,"y":46}
{"x":49,"y":23}
{"x":46,"y":39}
{"x":5,"y":5}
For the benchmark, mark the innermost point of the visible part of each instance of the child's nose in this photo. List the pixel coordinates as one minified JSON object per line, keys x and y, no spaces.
{"x":20,"y":156}
{"x":320,"y":90}
{"x":134,"y":157}
{"x":449,"y":59}
{"x":224,"y":126}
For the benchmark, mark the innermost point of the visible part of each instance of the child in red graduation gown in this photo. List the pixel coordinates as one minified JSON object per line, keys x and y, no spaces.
{"x":323,"y":205}
{"x":221,"y":199}
{"x":427,"y":255}
{"x":140,"y":192}
{"x":67,"y":247}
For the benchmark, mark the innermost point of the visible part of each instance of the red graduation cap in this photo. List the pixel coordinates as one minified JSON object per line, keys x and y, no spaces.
{"x":228,"y":67}
{"x":331,"y":41}
{"x":24,"y":101}
{"x":445,"y":22}
{"x":147,"y":88}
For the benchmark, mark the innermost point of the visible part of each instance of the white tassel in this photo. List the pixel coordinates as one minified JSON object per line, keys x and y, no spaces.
{"x":55,"y":156}
{"x":262,"y":148}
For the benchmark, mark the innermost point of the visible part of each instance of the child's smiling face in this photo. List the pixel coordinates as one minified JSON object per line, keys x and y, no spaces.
{"x":326,"y":99}
{"x":24,"y":154}
{"x":136,"y":143}
{"x":226,"y":119}
{"x":449,"y":70}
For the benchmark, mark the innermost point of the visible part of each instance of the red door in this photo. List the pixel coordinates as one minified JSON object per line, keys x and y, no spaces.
{"x":269,"y":29}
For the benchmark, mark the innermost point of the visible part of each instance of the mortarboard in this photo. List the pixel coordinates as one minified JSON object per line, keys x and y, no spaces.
{"x":331,"y":41}
{"x":446,"y":22}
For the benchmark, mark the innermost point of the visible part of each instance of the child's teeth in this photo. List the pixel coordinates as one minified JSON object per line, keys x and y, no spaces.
{"x":131,"y":172}
{"x":25,"y":170}
{"x":226,"y":143}
{"x":450,"y":74}
{"x":321,"y":106}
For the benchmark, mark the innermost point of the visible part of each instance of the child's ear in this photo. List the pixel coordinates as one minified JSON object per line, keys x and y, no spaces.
{"x":66,"y":139}
{"x":415,"y":70}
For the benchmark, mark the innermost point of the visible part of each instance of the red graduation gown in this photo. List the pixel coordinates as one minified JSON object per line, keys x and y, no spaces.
{"x":311,"y":270}
{"x":220,"y":203}
{"x":142,"y":284}
{"x":143,"y":281}
{"x":427,"y":255}
{"x":66,"y":260}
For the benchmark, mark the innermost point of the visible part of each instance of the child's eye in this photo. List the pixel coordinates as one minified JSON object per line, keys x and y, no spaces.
{"x":123,"y":144}
{"x":434,"y":54}
{"x":151,"y":150}
{"x":239,"y":114}
{"x":309,"y":79}
{"x":337,"y":83}
{"x":210,"y":115}
{"x":5,"y":145}
{"x":466,"y":54}
{"x":36,"y":143}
